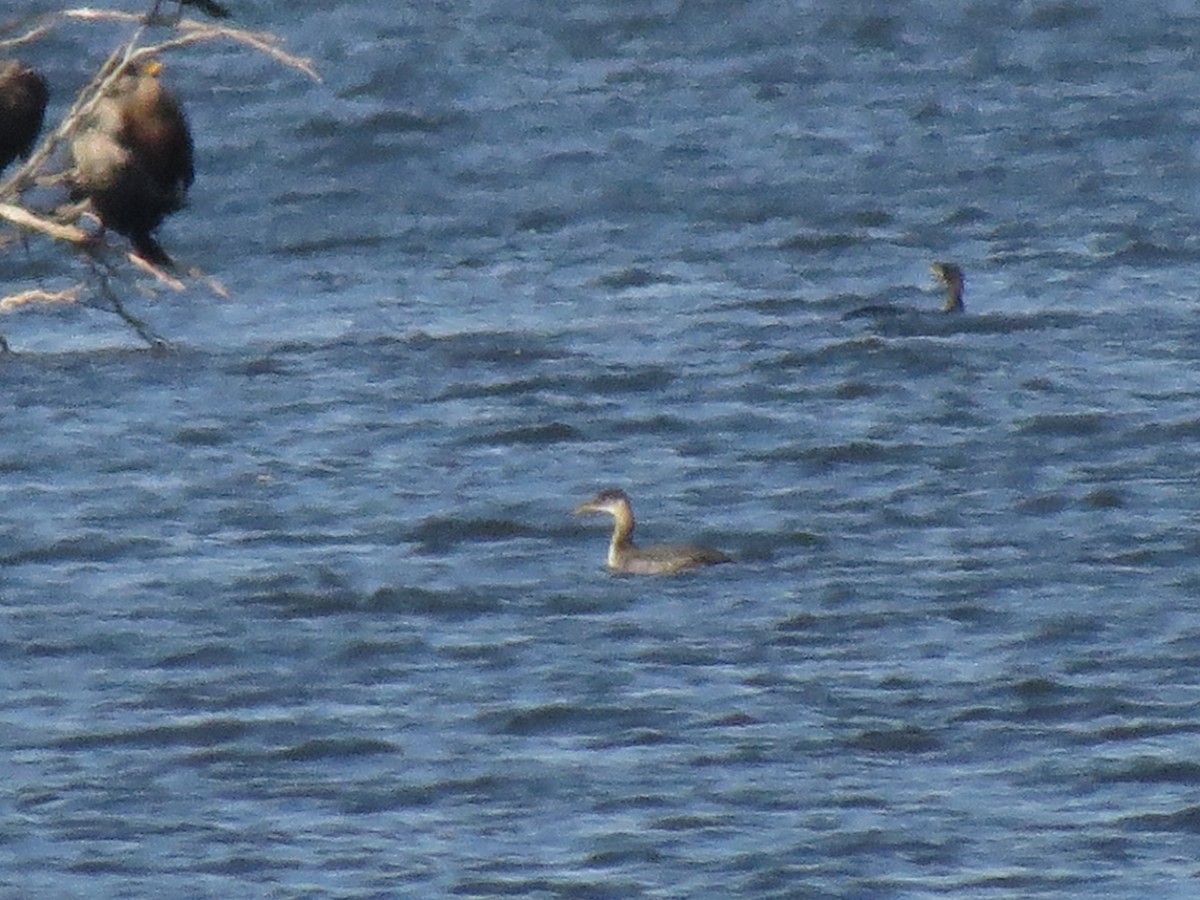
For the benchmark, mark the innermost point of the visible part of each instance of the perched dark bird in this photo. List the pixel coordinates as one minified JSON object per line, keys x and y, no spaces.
{"x":133,"y":157}
{"x":23,"y":96}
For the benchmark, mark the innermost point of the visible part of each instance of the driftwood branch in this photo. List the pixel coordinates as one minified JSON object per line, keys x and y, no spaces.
{"x":58,"y":224}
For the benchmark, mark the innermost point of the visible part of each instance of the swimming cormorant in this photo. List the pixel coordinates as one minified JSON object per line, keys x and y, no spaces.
{"x":947,"y":274}
{"x":951,"y":277}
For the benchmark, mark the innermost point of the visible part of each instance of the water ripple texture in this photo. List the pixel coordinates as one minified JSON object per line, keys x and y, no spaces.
{"x":298,"y":608}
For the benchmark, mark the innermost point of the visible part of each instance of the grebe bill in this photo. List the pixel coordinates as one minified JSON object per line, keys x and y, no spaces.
{"x":624,"y":556}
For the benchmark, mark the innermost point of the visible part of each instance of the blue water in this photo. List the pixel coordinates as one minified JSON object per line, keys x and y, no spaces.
{"x":297,"y":608}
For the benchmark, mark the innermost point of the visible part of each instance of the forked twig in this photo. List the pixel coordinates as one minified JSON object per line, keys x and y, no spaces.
{"x":59,"y":224}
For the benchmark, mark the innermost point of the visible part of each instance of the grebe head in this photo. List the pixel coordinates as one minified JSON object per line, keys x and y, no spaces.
{"x":613,"y":501}
{"x":951,"y":277}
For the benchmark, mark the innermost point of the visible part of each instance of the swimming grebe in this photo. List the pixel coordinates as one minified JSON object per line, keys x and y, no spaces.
{"x":23,"y":96}
{"x":947,"y":274}
{"x":951,"y":277}
{"x":133,"y":157}
{"x":623,"y":556}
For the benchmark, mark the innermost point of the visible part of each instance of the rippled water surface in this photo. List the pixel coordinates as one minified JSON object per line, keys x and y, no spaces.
{"x":297,"y":607}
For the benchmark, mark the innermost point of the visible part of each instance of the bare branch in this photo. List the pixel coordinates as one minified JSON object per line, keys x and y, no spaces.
{"x":23,"y":218}
{"x":12,"y":301}
{"x":197,"y":31}
{"x":207,"y":31}
{"x":33,"y":34}
{"x":161,"y":275}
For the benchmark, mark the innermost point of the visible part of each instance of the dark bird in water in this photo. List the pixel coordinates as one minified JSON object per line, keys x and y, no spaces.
{"x":23,"y":96}
{"x":623,"y":556}
{"x":951,"y":278}
{"x":947,"y":274}
{"x":214,"y":9}
{"x":133,"y":157}
{"x":211,"y":7}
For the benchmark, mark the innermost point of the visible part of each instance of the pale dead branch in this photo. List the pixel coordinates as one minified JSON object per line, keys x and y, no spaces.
{"x":37,"y":295}
{"x":23,"y":218}
{"x":33,"y":34}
